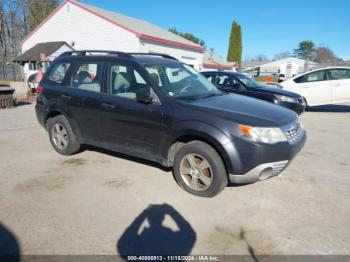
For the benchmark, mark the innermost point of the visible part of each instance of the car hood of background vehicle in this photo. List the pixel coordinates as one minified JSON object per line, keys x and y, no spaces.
{"x":243,"y":110}
{"x":271,"y":90}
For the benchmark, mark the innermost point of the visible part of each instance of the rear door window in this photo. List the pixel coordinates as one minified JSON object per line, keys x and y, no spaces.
{"x":315,"y":76}
{"x":58,"y":73}
{"x":88,"y":77}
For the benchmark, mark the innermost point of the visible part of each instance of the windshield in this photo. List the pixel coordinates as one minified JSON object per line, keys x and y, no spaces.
{"x":181,"y":81}
{"x":248,"y":81}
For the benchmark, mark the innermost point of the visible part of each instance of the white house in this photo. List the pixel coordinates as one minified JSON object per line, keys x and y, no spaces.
{"x":84,"y":26}
{"x":41,"y":55}
{"x":288,"y":67}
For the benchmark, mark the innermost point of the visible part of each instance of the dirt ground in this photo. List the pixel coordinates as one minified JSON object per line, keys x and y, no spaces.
{"x":98,"y":202}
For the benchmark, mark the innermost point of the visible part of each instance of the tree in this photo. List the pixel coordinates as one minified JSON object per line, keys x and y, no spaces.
{"x":305,"y":50}
{"x":39,"y":10}
{"x":235,"y":46}
{"x":261,"y":58}
{"x":324,"y":55}
{"x":12,"y":27}
{"x":188,"y":36}
{"x":282,"y":55}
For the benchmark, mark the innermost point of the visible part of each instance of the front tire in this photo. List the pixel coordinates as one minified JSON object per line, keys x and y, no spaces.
{"x":199,"y":169}
{"x":61,"y":135}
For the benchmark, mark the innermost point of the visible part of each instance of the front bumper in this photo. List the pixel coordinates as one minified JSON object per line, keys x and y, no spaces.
{"x":261,"y":161}
{"x":259,"y":173}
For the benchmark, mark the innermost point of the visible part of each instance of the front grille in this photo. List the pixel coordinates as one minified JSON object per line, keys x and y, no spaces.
{"x":277,"y":168}
{"x":294,"y":133}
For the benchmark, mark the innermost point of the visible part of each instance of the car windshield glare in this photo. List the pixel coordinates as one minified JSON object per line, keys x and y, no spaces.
{"x":248,"y":81}
{"x":181,"y":81}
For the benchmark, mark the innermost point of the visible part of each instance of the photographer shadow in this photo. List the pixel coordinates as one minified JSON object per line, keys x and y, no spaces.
{"x":9,"y":247}
{"x":147,"y":234}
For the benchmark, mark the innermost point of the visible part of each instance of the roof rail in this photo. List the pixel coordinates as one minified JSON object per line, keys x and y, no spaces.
{"x":155,"y":54}
{"x":86,"y":52}
{"x":121,"y":54}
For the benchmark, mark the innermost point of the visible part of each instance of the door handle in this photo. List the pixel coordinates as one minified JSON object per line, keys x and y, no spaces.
{"x":305,"y":86}
{"x":108,"y":105}
{"x":66,"y":97}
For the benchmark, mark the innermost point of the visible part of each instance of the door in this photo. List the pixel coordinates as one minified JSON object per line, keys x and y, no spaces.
{"x":69,"y":90}
{"x":339,"y":79}
{"x":315,"y":88}
{"x":84,"y":99}
{"x":132,"y":126}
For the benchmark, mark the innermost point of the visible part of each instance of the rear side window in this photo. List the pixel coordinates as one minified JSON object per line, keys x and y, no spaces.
{"x":299,"y":79}
{"x":337,"y":74}
{"x":58,"y":73}
{"x":88,"y":77}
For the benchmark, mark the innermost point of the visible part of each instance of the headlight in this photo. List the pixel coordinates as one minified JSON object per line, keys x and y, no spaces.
{"x":268,"y":135}
{"x":286,"y":99}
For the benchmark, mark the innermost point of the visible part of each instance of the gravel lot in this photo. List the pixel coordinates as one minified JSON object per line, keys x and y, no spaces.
{"x":96,"y":202}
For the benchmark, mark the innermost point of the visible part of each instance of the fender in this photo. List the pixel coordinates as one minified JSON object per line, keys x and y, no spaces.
{"x":62,"y":108}
{"x":198,"y":130}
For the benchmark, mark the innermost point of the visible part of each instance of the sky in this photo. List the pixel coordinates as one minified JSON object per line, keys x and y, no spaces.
{"x":268,"y":27}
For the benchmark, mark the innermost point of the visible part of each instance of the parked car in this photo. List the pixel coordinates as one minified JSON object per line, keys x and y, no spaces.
{"x":244,"y":85}
{"x":157,"y":108}
{"x":33,"y":82}
{"x":322,"y":86}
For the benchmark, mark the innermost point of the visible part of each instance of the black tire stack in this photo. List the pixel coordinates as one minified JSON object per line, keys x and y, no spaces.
{"x":6,"y":101}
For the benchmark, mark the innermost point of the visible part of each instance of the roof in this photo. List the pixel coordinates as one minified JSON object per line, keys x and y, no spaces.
{"x":33,"y":54}
{"x":251,"y":64}
{"x":142,"y":29}
{"x":288,"y":59}
{"x":216,"y":62}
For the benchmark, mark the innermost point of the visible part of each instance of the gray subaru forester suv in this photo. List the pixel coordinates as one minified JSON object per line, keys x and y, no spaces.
{"x":154,"y":107}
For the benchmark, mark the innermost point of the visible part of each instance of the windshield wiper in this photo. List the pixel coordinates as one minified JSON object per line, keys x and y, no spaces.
{"x":187,"y":97}
{"x":209,"y":95}
{"x":196,"y":97}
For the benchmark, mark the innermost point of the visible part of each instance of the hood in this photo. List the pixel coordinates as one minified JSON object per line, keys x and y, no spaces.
{"x":272,"y":90}
{"x":243,"y":110}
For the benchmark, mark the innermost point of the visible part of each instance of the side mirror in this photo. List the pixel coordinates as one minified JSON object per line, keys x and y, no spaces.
{"x":144,"y":96}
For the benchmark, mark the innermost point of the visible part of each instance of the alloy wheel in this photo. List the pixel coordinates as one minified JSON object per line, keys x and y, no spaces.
{"x":59,"y":136}
{"x":196,"y":171}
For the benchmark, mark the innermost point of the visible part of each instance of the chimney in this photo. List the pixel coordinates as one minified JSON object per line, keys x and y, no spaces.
{"x":211,"y":54}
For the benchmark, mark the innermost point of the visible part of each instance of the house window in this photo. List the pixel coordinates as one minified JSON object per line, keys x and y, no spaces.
{"x":33,"y":66}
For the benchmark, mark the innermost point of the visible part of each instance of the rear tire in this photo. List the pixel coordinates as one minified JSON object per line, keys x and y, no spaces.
{"x":61,"y":135}
{"x":199,"y":169}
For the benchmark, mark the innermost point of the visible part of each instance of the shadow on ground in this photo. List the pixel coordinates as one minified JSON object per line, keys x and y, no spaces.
{"x":126,"y":157}
{"x":22,"y":103}
{"x":9,"y":247}
{"x":148,"y":234}
{"x":330,"y":108}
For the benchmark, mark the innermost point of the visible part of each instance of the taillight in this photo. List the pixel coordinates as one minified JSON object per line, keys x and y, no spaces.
{"x":39,"y":90}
